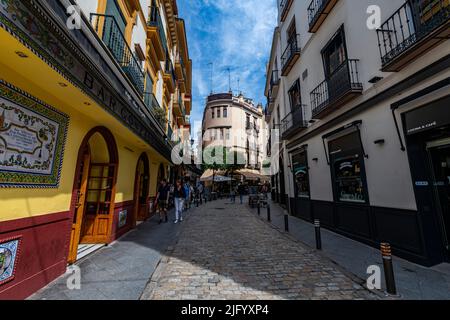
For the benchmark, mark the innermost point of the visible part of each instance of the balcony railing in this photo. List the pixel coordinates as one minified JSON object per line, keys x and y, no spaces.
{"x":285,"y":5}
{"x":180,"y":61}
{"x":154,"y":108}
{"x":107,"y":27}
{"x":412,"y":24}
{"x":341,"y":84}
{"x":294,"y":122}
{"x":168,"y":69}
{"x":156,"y":21}
{"x":290,"y":54}
{"x":317,"y":13}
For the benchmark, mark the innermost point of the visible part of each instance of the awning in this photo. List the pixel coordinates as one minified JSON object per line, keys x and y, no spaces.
{"x":253,"y":175}
{"x":218,"y":176}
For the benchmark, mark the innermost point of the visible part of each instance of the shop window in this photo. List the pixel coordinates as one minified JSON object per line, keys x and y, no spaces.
{"x":347,"y":166}
{"x":301,"y":175}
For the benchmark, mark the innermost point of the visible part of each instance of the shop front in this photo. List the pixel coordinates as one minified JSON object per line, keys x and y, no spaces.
{"x":427,"y":131}
{"x":77,"y":159}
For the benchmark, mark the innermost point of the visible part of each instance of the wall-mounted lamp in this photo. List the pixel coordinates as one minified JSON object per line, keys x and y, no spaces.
{"x":379,"y":141}
{"x":375,"y":79}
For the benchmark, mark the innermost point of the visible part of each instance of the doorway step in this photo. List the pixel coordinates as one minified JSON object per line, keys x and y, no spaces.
{"x":86,"y":249}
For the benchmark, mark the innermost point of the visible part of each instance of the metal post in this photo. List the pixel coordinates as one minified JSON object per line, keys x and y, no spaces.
{"x":286,"y":223}
{"x":318,"y":235}
{"x":268,"y":213}
{"x":386,"y":252}
{"x":259,"y":209}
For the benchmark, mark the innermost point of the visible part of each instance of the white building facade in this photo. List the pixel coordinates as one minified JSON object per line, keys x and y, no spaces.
{"x":237,"y":124}
{"x":363,"y":114}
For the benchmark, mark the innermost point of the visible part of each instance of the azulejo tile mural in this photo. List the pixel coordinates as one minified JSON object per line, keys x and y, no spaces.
{"x":32,"y":140}
{"x":9,"y":250}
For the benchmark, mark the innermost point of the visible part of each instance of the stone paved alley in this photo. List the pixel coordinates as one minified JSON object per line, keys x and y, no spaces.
{"x":226,"y":252}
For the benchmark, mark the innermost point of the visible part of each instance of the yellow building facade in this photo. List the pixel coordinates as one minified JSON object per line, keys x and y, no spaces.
{"x":88,"y":118}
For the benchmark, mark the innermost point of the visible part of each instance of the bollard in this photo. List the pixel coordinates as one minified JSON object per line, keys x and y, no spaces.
{"x":286,"y":223}
{"x":386,"y":252}
{"x":259,"y":209}
{"x":318,"y":235}
{"x":268,"y":213}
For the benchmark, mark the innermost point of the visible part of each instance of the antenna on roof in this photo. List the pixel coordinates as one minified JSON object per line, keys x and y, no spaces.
{"x":212,"y":68}
{"x":239,"y":85}
{"x":229,"y":79}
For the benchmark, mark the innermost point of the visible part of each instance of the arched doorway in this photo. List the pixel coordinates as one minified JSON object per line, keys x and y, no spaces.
{"x":94,"y":190}
{"x":141,"y":189}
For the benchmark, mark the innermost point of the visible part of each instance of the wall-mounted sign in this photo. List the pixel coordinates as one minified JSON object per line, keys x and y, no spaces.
{"x":9,"y":250}
{"x":32,"y":139}
{"x":428,"y":117}
{"x":123,"y":218}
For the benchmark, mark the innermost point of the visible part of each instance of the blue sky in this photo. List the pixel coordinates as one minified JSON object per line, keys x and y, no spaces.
{"x":229,"y":33}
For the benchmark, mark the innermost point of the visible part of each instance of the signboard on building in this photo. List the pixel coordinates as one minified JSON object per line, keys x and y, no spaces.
{"x":32,"y":139}
{"x":431,"y":116}
{"x":9,"y":250}
{"x":123,"y":218}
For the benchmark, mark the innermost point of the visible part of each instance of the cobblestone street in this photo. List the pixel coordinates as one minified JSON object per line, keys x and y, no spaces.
{"x":226,"y":252}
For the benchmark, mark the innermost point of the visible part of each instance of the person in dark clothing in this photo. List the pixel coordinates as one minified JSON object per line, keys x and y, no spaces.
{"x":179,"y":194}
{"x":162,"y":200}
{"x":241,"y":191}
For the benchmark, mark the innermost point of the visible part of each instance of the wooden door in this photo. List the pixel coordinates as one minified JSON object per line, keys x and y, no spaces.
{"x":79,"y":207}
{"x":99,"y":207}
{"x":143,"y":213}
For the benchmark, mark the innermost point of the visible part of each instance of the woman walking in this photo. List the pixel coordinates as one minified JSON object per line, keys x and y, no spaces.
{"x":179,"y":195}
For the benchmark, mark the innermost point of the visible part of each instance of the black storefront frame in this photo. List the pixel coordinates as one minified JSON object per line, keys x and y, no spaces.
{"x":361,"y":221}
{"x":348,"y":154}
{"x":421,"y":169}
{"x":301,"y":206}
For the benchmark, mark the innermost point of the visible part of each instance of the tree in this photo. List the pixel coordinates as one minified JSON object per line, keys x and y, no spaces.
{"x":222,"y":158}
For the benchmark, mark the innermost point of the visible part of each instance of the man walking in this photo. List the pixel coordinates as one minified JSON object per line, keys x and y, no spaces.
{"x":187,"y":190}
{"x":162,"y":200}
{"x":241,"y":191}
{"x":179,"y":195}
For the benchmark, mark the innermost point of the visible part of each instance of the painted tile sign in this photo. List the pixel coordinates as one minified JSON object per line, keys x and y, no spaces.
{"x":8,"y":259}
{"x":32,"y":138}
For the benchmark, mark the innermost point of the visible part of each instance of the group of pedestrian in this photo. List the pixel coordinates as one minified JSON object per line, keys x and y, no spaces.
{"x":241,"y":190}
{"x":183,"y":196}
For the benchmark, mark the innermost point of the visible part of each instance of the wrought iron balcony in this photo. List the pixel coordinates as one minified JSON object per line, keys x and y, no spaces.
{"x":290,"y":55}
{"x":154,"y":108}
{"x":417,"y":26}
{"x":178,"y":104}
{"x":180,"y":68}
{"x":274,"y":83}
{"x":294,"y":122}
{"x":285,"y":6}
{"x":338,"y":88}
{"x":156,"y":33}
{"x":318,"y":11}
{"x":108,"y":29}
{"x":169,"y":75}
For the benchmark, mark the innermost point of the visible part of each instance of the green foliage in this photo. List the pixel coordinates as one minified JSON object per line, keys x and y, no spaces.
{"x":160,"y":116}
{"x":221,"y":158}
